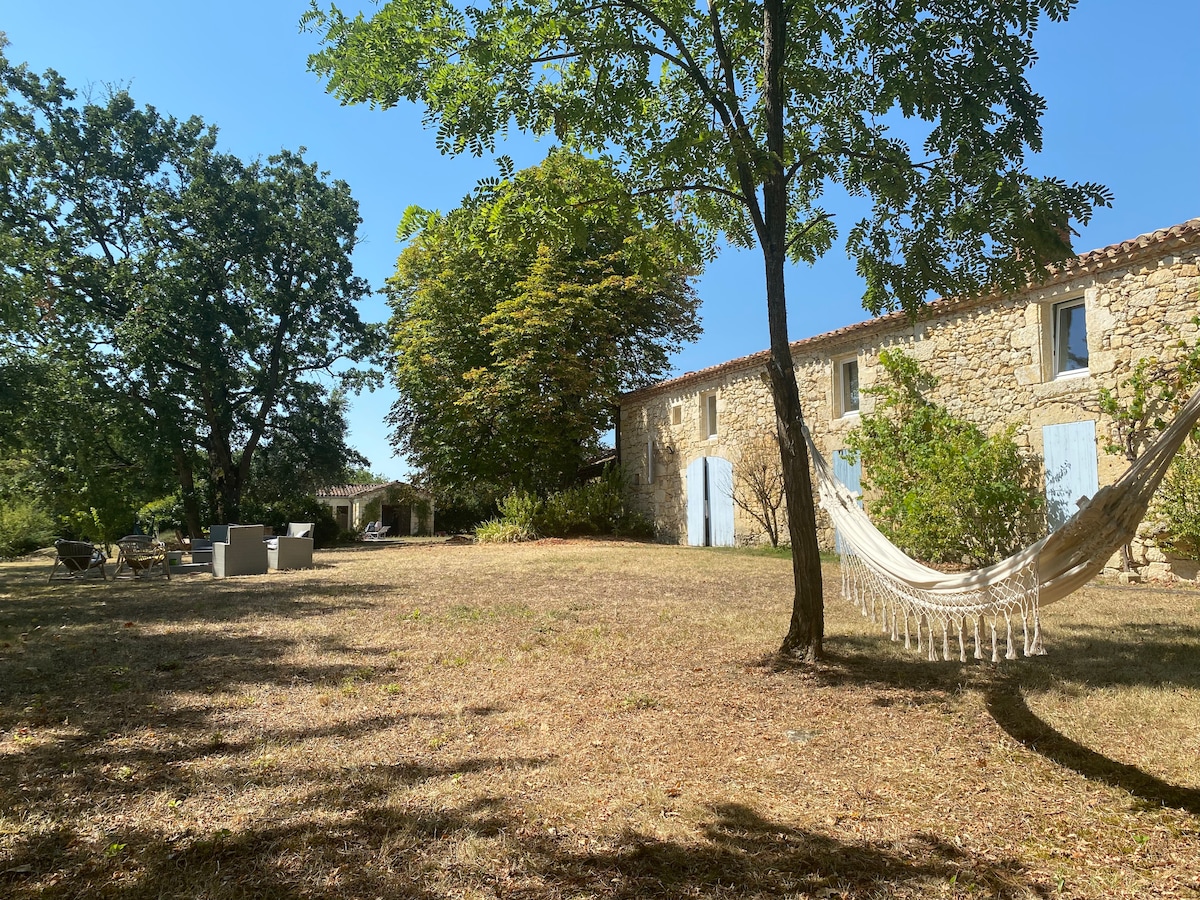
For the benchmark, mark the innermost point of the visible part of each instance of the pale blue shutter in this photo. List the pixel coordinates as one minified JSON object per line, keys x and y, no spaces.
{"x":1070,"y":455}
{"x":720,"y":502}
{"x":849,"y":474}
{"x":696,"y":519}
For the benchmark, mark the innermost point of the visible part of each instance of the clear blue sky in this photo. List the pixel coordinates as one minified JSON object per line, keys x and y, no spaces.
{"x":1119,"y":79}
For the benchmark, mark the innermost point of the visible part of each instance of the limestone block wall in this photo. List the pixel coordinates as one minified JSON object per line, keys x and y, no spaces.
{"x":993,"y":359}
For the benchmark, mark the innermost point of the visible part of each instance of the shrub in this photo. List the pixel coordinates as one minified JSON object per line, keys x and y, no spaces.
{"x":634,"y":525}
{"x":326,"y":531}
{"x":24,"y":527}
{"x":591,"y":508}
{"x":500,"y":531}
{"x":1138,"y":409}
{"x":1178,"y":505}
{"x":941,"y":489}
{"x":517,"y":513}
{"x":521,"y":509}
{"x":597,"y":507}
{"x":163,"y":515}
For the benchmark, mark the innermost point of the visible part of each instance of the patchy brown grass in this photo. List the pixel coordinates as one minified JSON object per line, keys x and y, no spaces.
{"x":573,"y":720}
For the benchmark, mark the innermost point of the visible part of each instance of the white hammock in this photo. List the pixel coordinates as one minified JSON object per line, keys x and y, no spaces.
{"x":912,"y":600}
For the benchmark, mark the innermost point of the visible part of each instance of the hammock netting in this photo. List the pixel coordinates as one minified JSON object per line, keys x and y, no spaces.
{"x":945,"y":613}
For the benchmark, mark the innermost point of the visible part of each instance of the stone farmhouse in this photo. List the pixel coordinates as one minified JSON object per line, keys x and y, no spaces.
{"x":1035,"y":359}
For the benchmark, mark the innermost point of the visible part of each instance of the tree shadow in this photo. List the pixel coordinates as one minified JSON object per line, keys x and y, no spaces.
{"x":82,"y":666}
{"x":483,"y":846}
{"x":1081,"y":658}
{"x":1005,"y":701}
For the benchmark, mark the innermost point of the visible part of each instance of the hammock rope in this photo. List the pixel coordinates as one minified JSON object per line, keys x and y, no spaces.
{"x":933,"y":610}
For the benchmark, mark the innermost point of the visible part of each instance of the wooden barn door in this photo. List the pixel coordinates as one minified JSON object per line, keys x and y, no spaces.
{"x":1071,"y":473}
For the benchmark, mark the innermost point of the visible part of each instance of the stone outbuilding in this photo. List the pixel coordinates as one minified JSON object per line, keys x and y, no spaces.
{"x":1035,"y":360}
{"x":403,"y":510}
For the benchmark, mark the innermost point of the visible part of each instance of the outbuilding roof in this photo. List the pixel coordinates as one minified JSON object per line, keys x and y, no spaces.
{"x":350,"y":491}
{"x":1153,"y":242}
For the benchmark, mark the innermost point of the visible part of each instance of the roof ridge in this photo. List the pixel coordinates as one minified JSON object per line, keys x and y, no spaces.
{"x":349,"y":490}
{"x":1184,"y":232}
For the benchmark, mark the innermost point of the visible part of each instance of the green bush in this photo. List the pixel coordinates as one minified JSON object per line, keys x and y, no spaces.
{"x":521,"y":509}
{"x":501,"y":531}
{"x":940,"y":488}
{"x":24,"y":527}
{"x":634,"y":525}
{"x":597,"y":507}
{"x":326,"y":532}
{"x":1178,"y":505}
{"x":591,"y":508}
{"x":163,"y":516}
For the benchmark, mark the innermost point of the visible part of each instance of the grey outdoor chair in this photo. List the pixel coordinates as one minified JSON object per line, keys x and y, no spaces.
{"x":238,"y":550}
{"x":293,"y":550}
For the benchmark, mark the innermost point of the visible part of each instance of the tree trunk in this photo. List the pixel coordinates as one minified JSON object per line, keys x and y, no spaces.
{"x":806,"y":631}
{"x":187,"y":489}
{"x":226,"y":481}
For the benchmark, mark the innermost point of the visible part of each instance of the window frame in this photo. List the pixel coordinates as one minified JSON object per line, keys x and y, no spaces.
{"x":710,"y":418}
{"x":840,"y":386}
{"x":1056,"y":363}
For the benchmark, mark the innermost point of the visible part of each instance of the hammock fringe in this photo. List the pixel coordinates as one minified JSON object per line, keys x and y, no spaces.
{"x":885,"y":584}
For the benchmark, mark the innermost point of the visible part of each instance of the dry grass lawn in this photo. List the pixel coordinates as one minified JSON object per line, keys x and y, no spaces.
{"x":578,"y":720}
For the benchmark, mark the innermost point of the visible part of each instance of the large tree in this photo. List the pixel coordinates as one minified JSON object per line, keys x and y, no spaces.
{"x":208,"y":297}
{"x":520,"y":317}
{"x":746,"y":114}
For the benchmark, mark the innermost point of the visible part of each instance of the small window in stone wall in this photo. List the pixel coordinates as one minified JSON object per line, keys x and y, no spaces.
{"x":1069,"y":338}
{"x":677,"y":414}
{"x":708,"y":415}
{"x":847,"y":386}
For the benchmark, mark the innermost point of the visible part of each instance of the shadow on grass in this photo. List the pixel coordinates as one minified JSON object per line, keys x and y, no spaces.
{"x":483,"y":847}
{"x":1006,"y":703}
{"x":85,"y":668}
{"x":1081,"y":658}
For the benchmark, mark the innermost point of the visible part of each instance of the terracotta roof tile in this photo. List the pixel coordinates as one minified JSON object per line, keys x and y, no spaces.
{"x":349,"y":491}
{"x":1184,"y":233}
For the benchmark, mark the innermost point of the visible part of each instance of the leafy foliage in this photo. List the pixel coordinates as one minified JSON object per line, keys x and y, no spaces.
{"x":1138,"y":406}
{"x":24,"y":526}
{"x":520,"y":317}
{"x":502,"y":531}
{"x":938,"y":487}
{"x":686,"y":95}
{"x":201,"y":296}
{"x":1138,"y":409}
{"x":738,"y":118}
{"x":595,"y":507}
{"x":1178,"y":501}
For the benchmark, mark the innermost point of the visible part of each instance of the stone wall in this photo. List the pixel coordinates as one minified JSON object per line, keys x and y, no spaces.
{"x":992,"y":357}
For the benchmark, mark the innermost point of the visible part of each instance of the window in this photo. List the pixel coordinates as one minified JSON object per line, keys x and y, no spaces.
{"x":847,"y":387}
{"x":677,"y":414}
{"x":708,"y":415}
{"x":1070,"y":338}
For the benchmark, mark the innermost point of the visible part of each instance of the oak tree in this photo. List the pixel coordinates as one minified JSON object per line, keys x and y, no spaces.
{"x":209,"y":298}
{"x":743,"y":117}
{"x":520,"y":317}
